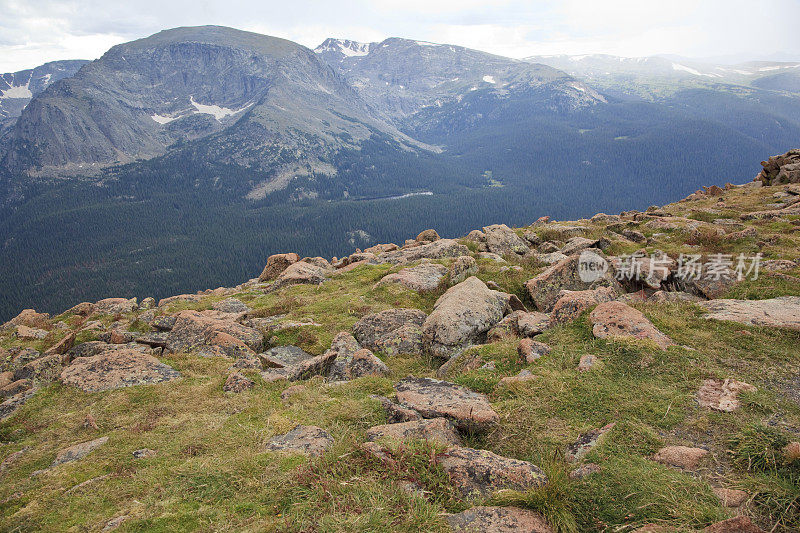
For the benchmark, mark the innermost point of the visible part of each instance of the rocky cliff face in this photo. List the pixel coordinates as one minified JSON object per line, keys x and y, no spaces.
{"x":18,"y":88}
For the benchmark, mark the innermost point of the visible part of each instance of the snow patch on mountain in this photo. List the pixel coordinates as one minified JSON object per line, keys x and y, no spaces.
{"x":17,"y":91}
{"x":489,"y":79}
{"x":216,"y":111}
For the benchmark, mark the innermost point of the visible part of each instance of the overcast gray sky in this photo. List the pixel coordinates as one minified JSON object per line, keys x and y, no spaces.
{"x":35,"y":31}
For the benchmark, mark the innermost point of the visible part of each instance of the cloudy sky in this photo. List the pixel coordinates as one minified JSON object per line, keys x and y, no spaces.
{"x":35,"y":31}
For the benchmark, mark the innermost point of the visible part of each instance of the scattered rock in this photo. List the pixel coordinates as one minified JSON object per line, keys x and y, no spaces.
{"x":114,"y":523}
{"x":392,"y":332}
{"x":616,"y":319}
{"x":791,"y":452}
{"x":397,"y":413}
{"x":498,"y":520}
{"x":238,"y":382}
{"x":571,"y":304}
{"x":781,"y":169}
{"x":530,"y":350}
{"x":30,"y":318}
{"x":116,"y":306}
{"x":434,"y":398}
{"x":462,"y":316}
{"x":439,"y":249}
{"x":578,"y":244}
{"x":294,"y":390}
{"x":30,"y":334}
{"x":90,"y":422}
{"x":231,"y":305}
{"x":587,"y":362}
{"x":144,"y":453}
{"x":276,"y":264}
{"x":423,"y":277}
{"x":523,"y":377}
{"x":429,"y":235}
{"x":584,"y":471}
{"x":300,"y":273}
{"x":502,"y":240}
{"x":683,"y":457}
{"x":62,"y":346}
{"x":114,"y":368}
{"x":11,"y":404}
{"x":674,"y":297}
{"x":42,"y":370}
{"x":731,"y":497}
{"x":782,"y":312}
{"x":319,"y":365}
{"x":440,"y":430}
{"x":722,"y":395}
{"x":462,"y":268}
{"x":308,"y":440}
{"x":164,"y":323}
{"x":78,"y":451}
{"x":545,"y":289}
{"x":193,"y":329}
{"x":739,"y":524}
{"x":586,"y":442}
{"x":283,"y":356}
{"x":479,"y":473}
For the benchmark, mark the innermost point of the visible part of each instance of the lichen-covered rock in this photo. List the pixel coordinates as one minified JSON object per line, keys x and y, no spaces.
{"x":545,"y":288}
{"x":530,"y":350}
{"x":429,"y":235}
{"x":502,"y":240}
{"x":276,"y":264}
{"x":31,"y":319}
{"x":462,"y":316}
{"x":479,"y":473}
{"x":395,"y":413}
{"x":722,"y":395}
{"x":231,"y":305}
{"x":731,"y":497}
{"x":78,"y":451}
{"x":738,"y":524}
{"x":498,"y":520}
{"x":586,"y":443}
{"x":423,"y":277}
{"x":42,"y":370}
{"x":439,"y":249}
{"x":616,"y":319}
{"x":393,"y":332}
{"x":114,"y":306}
{"x":318,"y":365}
{"x":307,"y":440}
{"x":237,"y":382}
{"x":193,"y":329}
{"x":781,"y":312}
{"x":440,"y":430}
{"x":462,"y":268}
{"x":433,"y":398}
{"x":571,"y":304}
{"x":114,"y":368}
{"x":300,"y":273}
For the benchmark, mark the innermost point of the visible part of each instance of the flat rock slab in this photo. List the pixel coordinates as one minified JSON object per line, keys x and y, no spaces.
{"x":283,"y":356}
{"x":193,"y":329}
{"x":498,"y":520}
{"x":308,"y":440}
{"x":436,"y":250}
{"x":301,"y":273}
{"x":684,"y":457}
{"x":433,"y":398}
{"x":393,"y":332}
{"x":440,"y":430}
{"x":423,"y":277}
{"x":316,"y":366}
{"x":462,"y":316}
{"x":78,"y":451}
{"x":567,"y":274}
{"x":479,"y":473}
{"x":722,"y":394}
{"x":617,"y":319}
{"x":782,"y":312}
{"x":115,"y":369}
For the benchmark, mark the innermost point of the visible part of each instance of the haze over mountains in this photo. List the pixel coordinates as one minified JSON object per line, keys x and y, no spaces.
{"x":187,"y":157}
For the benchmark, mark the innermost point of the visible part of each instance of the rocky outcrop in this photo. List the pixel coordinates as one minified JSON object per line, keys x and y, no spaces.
{"x":434,"y":399}
{"x":462,"y":268}
{"x":571,"y":304}
{"x":300,"y":273}
{"x":462,"y":316}
{"x":782,"y":312}
{"x":781,"y":169}
{"x":116,"y":366}
{"x":237,"y":382}
{"x":616,"y":319}
{"x":439,"y":249}
{"x":684,"y":457}
{"x":545,"y":288}
{"x":392,"y":332}
{"x":498,"y":520}
{"x":276,"y":264}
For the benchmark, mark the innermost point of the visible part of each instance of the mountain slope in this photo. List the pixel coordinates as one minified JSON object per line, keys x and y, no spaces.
{"x":257,"y":101}
{"x":18,"y":88}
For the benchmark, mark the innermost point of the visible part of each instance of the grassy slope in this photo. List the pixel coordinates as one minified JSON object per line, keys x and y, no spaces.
{"x":211,"y":472}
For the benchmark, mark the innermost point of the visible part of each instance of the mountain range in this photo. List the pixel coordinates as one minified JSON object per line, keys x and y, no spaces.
{"x":235,"y":145}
